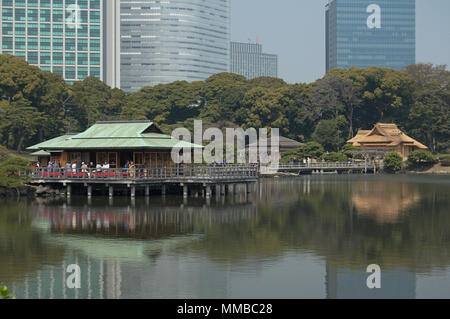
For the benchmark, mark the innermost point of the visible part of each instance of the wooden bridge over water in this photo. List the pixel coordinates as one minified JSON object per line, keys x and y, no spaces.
{"x":323,"y":168}
{"x":190,"y":179}
{"x":204,"y":180}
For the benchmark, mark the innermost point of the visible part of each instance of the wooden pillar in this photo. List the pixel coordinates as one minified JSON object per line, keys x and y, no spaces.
{"x":208,"y":191}
{"x":217,"y":190}
{"x":230,"y":188}
{"x":89,"y":190}
{"x":133,"y":191}
{"x":69,"y":190}
{"x":163,"y":190}
{"x":147,"y":190}
{"x":111,"y":191}
{"x":222,"y":189}
{"x":185,"y":191}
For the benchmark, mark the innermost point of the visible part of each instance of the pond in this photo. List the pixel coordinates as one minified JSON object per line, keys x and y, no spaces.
{"x":305,"y":237}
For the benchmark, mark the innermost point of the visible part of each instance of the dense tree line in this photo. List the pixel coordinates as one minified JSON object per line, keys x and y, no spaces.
{"x":36,"y":105}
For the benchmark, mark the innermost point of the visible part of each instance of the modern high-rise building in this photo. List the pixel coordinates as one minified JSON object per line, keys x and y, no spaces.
{"x":166,"y":41}
{"x":364,"y":33}
{"x":74,"y":38}
{"x":248,"y":59}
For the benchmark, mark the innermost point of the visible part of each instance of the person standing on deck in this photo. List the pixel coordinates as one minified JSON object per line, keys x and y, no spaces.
{"x":50,"y":167}
{"x":84,"y":168}
{"x":126,"y":167}
{"x":56,"y":167}
{"x":78,"y":167}
{"x":131,"y":169}
{"x":68,"y":167}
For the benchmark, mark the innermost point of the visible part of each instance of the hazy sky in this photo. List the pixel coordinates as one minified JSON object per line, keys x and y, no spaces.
{"x":295,"y":30}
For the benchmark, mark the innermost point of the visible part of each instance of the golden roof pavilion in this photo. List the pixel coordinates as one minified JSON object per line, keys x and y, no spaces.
{"x":388,"y":138}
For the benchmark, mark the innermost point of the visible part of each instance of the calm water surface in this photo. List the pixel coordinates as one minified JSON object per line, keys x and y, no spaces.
{"x":309,"y":237}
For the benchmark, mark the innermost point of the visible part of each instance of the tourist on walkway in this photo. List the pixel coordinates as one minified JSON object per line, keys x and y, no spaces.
{"x":84,"y":168}
{"x":68,"y":167}
{"x":56,"y":167}
{"x":50,"y":167}
{"x":78,"y":167}
{"x":132,"y":170}
{"x":126,"y":167}
{"x":74,"y":168}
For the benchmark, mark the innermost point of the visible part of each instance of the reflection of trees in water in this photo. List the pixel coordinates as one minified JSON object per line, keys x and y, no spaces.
{"x":142,"y":222}
{"x":22,"y":250}
{"x":322,"y":217}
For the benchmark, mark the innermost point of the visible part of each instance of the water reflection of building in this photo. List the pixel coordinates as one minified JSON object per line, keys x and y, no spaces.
{"x":345,"y":283}
{"x":100,"y":279}
{"x":141,"y":222}
{"x":125,"y":252}
{"x":385,"y":204}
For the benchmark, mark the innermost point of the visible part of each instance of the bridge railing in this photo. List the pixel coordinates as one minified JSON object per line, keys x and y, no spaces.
{"x":241,"y":172}
{"x":327,"y":165}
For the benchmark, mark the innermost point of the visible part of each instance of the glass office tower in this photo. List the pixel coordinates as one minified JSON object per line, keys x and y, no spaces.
{"x":365,"y":33}
{"x":61,"y":36}
{"x":248,"y":59}
{"x":166,"y":41}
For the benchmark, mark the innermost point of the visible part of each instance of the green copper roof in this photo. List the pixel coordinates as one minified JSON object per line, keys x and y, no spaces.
{"x":115,"y":135}
{"x":40,"y":153}
{"x":117,"y":130}
{"x":49,"y":143}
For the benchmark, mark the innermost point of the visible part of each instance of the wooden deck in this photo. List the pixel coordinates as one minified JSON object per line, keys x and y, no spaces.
{"x":185,"y":174}
{"x":190,"y":179}
{"x":323,"y":168}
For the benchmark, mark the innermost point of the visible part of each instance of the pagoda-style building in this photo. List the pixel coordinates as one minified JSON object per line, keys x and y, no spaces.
{"x":386,"y":138}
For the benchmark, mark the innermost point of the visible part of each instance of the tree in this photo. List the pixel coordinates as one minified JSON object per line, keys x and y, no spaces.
{"x":20,"y":122}
{"x":310,"y":149}
{"x":335,"y":157}
{"x":165,"y":103}
{"x":266,"y":109}
{"x":4,"y":293}
{"x":429,"y":117}
{"x":393,"y":162}
{"x":91,"y":100}
{"x":336,"y":93}
{"x":347,"y":149}
{"x":329,"y":133}
{"x":421,"y":158}
{"x":224,"y":93}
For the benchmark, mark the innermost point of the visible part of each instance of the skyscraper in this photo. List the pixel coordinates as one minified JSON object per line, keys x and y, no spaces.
{"x":68,"y":37}
{"x":365,"y":33}
{"x":166,"y":41}
{"x":249,"y":60}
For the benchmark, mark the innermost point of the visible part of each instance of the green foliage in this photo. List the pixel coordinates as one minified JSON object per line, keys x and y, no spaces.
{"x":329,"y":133}
{"x":347,"y":149}
{"x":311,"y":149}
{"x":335,"y":157}
{"x":393,"y":162}
{"x":10,"y":166}
{"x":421,"y":158}
{"x":429,"y":119}
{"x":36,"y":105}
{"x":4,"y":293}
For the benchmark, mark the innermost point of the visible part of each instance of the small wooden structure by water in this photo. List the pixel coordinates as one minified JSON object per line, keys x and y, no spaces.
{"x":386,"y":138}
{"x":134,"y":157}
